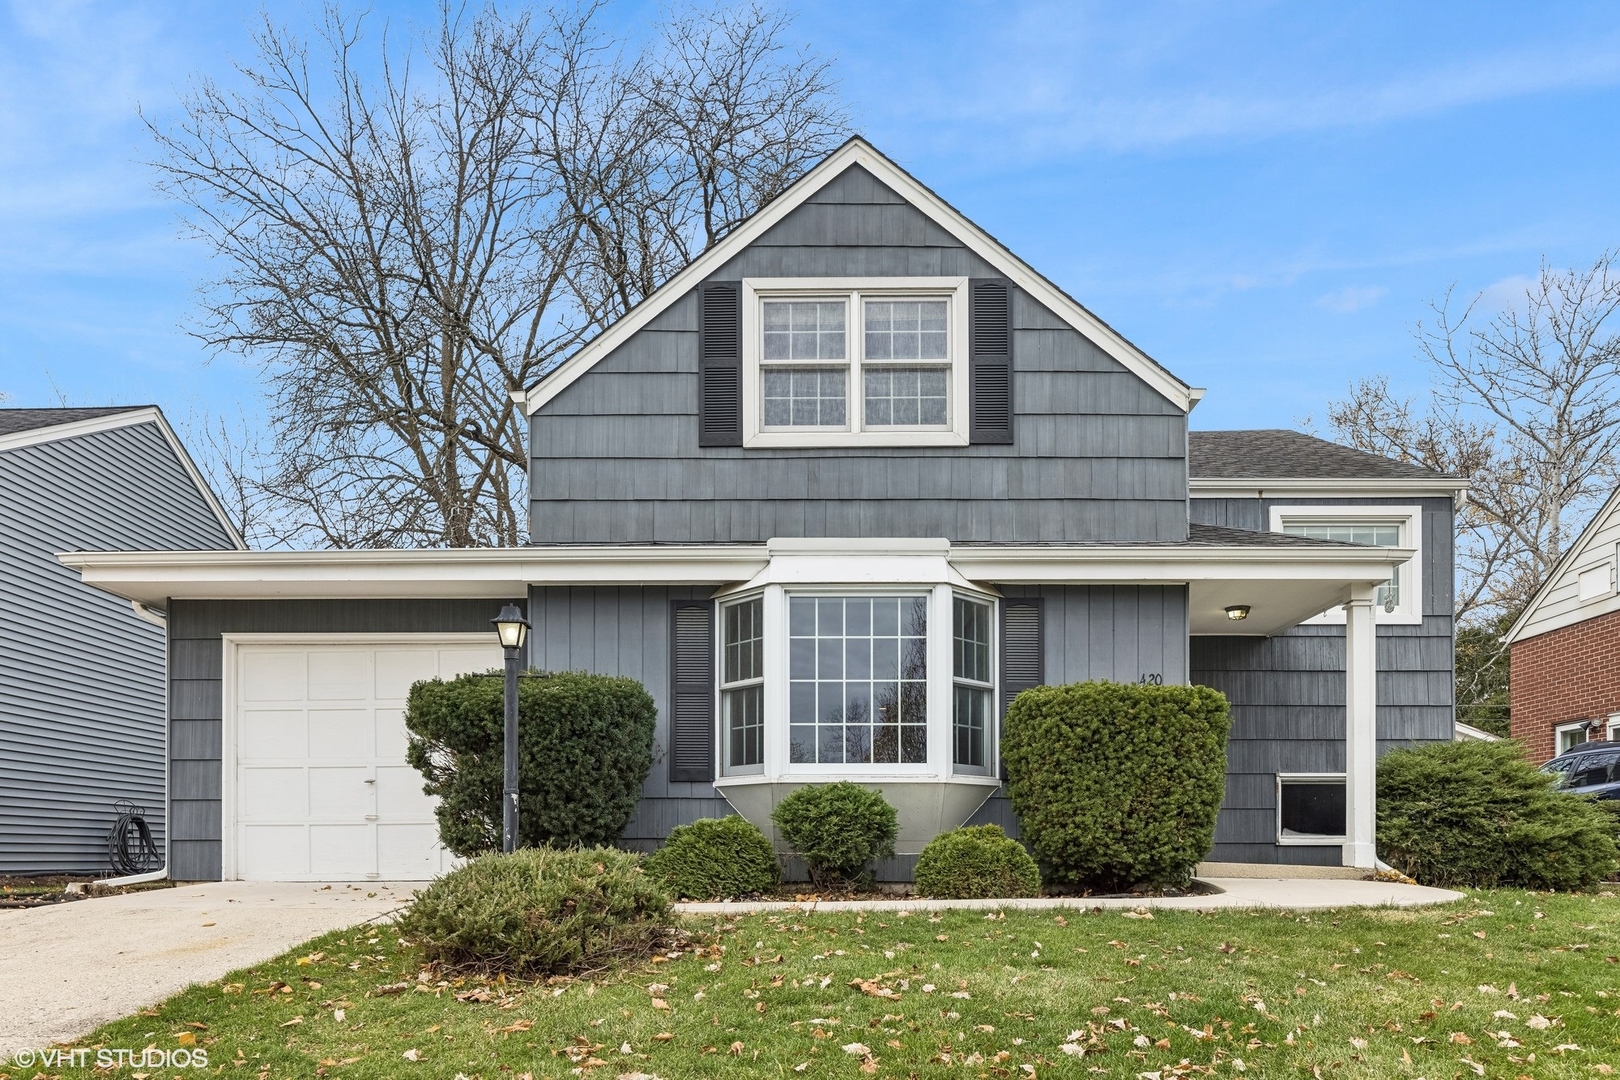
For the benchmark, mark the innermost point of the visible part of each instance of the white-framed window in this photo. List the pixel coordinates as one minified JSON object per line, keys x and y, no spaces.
{"x":1568,"y":736}
{"x":742,"y":687}
{"x":858,"y":680}
{"x":1614,"y":727}
{"x":1595,"y":582}
{"x":973,"y":678}
{"x":855,"y":361}
{"x":1400,"y":601}
{"x":1310,"y":808}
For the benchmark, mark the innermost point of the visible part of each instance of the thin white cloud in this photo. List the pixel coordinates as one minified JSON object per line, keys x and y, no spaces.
{"x":1352,"y":298}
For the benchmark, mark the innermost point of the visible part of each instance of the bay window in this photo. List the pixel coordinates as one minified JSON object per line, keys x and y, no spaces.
{"x":832,"y":362}
{"x":822,"y":680}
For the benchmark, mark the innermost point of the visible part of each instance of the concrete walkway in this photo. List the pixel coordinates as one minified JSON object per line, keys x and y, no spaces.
{"x":68,"y":968}
{"x":1294,"y":894}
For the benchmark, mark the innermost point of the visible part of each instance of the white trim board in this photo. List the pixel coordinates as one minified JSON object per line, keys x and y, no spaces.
{"x":144,"y":414}
{"x":858,"y":151}
{"x":1305,"y":487}
{"x":229,"y":643}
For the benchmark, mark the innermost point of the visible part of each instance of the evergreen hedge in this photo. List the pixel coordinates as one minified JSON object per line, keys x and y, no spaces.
{"x":838,"y":829}
{"x":1117,"y":784}
{"x":539,"y":911}
{"x":976,"y":862}
{"x":585,"y":744}
{"x":1478,"y":814}
{"x":715,"y":859}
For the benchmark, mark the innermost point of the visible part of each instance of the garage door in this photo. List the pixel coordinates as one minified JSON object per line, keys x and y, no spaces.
{"x":322,"y":791}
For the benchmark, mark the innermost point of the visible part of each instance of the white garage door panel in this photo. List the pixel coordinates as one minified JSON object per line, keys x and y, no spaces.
{"x":322,"y":791}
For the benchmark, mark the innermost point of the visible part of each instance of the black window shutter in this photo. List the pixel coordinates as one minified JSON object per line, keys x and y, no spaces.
{"x":720,"y":363}
{"x":990,"y":368}
{"x":1023,"y":650}
{"x":691,"y":691}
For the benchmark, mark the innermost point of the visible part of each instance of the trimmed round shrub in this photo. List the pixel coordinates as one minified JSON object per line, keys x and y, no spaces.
{"x":838,"y":829}
{"x":714,"y":859}
{"x":1478,"y":814}
{"x":539,"y":911}
{"x":1117,"y":784}
{"x":977,"y":862}
{"x":585,"y":744}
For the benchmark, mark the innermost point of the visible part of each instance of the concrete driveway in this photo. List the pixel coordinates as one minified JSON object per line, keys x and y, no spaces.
{"x":68,"y":968}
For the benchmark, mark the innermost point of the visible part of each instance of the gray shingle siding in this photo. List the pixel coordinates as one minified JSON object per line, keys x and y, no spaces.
{"x":82,"y":726}
{"x":1097,"y":453}
{"x":1287,"y":692}
{"x":196,"y":658}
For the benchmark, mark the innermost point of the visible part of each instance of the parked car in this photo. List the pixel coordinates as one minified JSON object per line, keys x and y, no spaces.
{"x":1589,"y":769}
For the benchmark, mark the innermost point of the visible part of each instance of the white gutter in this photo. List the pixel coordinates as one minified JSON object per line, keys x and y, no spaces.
{"x":1250,"y":487}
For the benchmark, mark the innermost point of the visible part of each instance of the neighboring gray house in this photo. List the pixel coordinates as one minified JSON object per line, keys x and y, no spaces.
{"x":82,"y":674}
{"x":838,"y":491}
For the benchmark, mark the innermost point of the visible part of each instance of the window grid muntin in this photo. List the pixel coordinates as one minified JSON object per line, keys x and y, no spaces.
{"x":854,"y":419}
{"x":972,"y":681}
{"x":840,"y":661}
{"x":906,"y":395}
{"x":1369,"y":533}
{"x":906,"y":329}
{"x":805,"y":396}
{"x":742,"y":684}
{"x":815,"y":330}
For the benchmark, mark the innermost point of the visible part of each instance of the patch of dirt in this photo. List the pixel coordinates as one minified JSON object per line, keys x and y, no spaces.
{"x":45,"y":889}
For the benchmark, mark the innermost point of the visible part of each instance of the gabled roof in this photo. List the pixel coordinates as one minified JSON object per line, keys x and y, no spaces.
{"x":858,"y":151}
{"x":15,"y":420}
{"x":30,"y":427}
{"x":1529,"y":624}
{"x":1272,"y":453}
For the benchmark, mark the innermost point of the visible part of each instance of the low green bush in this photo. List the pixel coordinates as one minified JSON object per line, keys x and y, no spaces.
{"x":977,"y":862}
{"x":838,"y":829}
{"x":714,"y":859}
{"x":1478,"y":814}
{"x":585,"y":744}
{"x":1117,"y":784}
{"x":539,"y":911}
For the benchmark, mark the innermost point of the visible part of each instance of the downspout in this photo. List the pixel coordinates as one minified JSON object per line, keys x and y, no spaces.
{"x":156,"y":618}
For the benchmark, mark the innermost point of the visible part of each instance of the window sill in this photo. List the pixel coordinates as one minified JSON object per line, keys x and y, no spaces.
{"x":874,"y":777}
{"x":794,"y":440}
{"x":1307,"y":840}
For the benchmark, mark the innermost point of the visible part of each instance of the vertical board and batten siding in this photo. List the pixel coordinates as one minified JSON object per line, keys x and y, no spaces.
{"x":1287,"y":692}
{"x":1114,"y":632}
{"x":196,"y":690}
{"x":82,"y":725}
{"x":625,"y":631}
{"x":1096,"y":454}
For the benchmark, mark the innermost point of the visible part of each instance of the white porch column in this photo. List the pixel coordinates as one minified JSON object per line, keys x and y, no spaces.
{"x":1361,"y":726}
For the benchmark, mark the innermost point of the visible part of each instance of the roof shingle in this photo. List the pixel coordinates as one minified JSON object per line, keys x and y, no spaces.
{"x":15,"y":420}
{"x":1277,"y":453}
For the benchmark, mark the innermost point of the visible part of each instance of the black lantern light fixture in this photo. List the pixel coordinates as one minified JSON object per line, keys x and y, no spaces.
{"x":513,"y":629}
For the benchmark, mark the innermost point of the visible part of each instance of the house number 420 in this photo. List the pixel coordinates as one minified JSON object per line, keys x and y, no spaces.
{"x":1151,"y":678}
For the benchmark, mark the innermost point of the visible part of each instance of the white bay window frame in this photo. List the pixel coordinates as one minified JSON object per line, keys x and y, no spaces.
{"x":807,"y":576}
{"x":854,"y":291}
{"x":1409,"y":519}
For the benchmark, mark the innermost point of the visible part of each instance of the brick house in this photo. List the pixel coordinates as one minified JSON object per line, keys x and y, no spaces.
{"x":1565,"y":648}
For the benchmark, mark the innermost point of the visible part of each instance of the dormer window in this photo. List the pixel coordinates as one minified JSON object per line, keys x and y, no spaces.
{"x":878,"y":362}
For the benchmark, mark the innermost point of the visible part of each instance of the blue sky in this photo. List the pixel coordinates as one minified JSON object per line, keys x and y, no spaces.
{"x":1263,"y":196}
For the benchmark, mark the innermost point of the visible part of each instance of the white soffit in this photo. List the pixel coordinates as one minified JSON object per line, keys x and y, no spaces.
{"x":1324,"y":487}
{"x":858,"y":151}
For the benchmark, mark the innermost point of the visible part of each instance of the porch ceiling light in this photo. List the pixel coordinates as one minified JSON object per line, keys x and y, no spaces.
{"x":1238,"y":612}
{"x":512,"y":626}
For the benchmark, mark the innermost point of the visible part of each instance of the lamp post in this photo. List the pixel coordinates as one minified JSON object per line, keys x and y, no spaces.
{"x":514,"y":632}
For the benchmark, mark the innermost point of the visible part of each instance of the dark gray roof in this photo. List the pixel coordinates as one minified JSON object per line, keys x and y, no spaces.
{"x":1223,"y":536}
{"x":15,"y":420}
{"x":1277,"y":453}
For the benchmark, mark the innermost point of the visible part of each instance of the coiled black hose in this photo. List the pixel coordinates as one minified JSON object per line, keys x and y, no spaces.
{"x":130,"y":846}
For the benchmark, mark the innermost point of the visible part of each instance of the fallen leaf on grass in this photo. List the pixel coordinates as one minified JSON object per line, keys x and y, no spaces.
{"x":857,"y":1049}
{"x":412,"y":1054}
{"x":289,"y":1023}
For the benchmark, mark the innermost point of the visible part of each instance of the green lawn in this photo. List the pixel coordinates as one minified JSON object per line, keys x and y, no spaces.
{"x":1504,"y":984}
